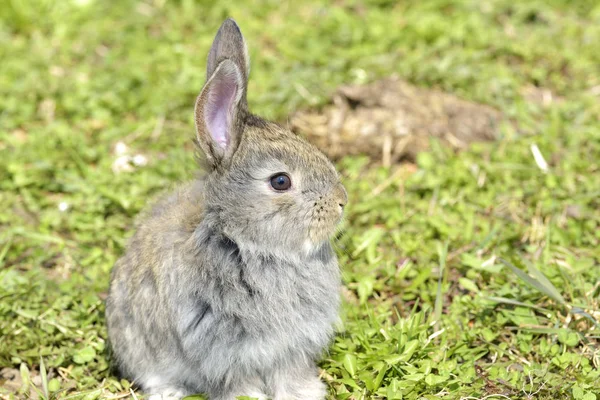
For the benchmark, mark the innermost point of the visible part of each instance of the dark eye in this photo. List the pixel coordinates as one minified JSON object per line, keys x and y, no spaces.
{"x":281,"y":182}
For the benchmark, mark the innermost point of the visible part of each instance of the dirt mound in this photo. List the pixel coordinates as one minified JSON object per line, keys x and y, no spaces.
{"x":391,"y":120}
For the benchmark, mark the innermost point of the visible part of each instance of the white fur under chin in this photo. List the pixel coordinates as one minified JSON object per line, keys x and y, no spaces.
{"x":308,"y":246}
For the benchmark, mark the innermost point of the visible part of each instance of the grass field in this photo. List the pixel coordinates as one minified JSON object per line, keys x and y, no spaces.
{"x":469,"y":276}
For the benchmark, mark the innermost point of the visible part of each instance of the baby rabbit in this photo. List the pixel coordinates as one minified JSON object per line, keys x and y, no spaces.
{"x":230,"y":286}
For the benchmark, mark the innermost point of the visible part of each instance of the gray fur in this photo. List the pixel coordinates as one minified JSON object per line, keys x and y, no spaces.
{"x":228,"y":287}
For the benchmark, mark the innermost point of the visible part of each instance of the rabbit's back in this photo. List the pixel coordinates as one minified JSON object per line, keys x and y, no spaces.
{"x":139,"y":323}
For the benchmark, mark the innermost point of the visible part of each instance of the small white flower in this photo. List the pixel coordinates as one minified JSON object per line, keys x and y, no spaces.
{"x":120,"y":148}
{"x":122,"y":164}
{"x":140,"y":160}
{"x":63,"y":206}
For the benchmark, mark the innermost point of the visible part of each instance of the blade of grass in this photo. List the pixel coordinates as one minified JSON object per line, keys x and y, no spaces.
{"x":515,"y":303}
{"x":44,"y":377}
{"x":442,"y":254}
{"x":544,"y":287}
{"x":4,"y":250}
{"x":579,"y":311}
{"x":25,"y":379}
{"x":540,"y":277}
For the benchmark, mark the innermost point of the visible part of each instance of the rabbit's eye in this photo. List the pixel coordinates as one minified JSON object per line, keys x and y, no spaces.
{"x":281,"y":182}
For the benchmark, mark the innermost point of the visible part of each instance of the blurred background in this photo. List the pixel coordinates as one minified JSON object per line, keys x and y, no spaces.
{"x":466,"y":132}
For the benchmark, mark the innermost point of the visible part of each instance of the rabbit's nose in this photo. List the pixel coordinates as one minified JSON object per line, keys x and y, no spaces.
{"x":340,"y":195}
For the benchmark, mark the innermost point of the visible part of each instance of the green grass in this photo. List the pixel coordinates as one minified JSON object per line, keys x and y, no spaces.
{"x":477,"y":276}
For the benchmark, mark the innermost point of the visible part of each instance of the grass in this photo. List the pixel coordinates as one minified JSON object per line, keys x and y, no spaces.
{"x":469,"y":276}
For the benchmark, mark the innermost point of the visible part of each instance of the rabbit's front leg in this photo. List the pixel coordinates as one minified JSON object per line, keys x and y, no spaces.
{"x":252,"y":388}
{"x":303,"y":384}
{"x":250,"y":393}
{"x":166,"y":393}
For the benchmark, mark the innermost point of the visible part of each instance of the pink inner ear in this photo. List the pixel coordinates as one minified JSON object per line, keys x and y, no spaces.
{"x":218,"y":109}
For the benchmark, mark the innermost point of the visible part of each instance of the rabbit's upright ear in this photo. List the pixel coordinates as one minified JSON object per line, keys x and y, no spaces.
{"x":222,"y":106}
{"x":229,"y":44}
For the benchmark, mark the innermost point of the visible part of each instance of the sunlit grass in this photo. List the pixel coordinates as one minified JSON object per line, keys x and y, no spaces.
{"x":468,"y":275}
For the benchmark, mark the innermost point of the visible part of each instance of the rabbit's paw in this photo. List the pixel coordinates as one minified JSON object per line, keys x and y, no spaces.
{"x":257,"y":395}
{"x":246,"y":394}
{"x":303,"y":389}
{"x":167,"y":394}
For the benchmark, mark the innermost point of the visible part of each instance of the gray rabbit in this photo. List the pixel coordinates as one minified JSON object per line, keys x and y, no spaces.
{"x":230,"y":286}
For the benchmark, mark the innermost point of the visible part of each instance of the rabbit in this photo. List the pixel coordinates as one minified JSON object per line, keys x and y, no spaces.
{"x":230,"y":285}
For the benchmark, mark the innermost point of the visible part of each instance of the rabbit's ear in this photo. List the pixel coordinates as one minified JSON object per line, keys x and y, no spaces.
{"x":222,"y":105}
{"x":229,"y":44}
{"x":219,"y":113}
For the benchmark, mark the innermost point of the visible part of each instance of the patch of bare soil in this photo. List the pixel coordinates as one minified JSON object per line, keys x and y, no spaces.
{"x":540,"y":96}
{"x":391,"y":120}
{"x":11,"y":383}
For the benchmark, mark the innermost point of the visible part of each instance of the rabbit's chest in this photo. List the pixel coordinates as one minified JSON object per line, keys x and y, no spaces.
{"x":291,"y":307}
{"x":258,"y":312}
{"x":293,"y":296}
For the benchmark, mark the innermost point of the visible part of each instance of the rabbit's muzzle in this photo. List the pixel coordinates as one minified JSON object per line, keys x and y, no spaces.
{"x":326,"y":213}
